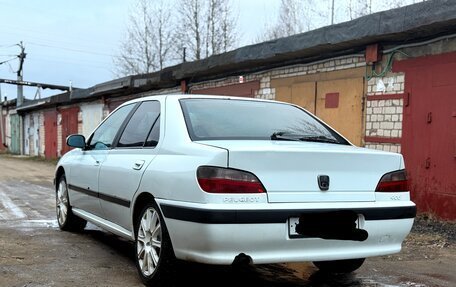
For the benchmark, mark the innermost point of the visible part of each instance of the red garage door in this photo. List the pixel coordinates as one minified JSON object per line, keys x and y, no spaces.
{"x":69,"y":126}
{"x":50,"y":138}
{"x":429,"y":132}
{"x":239,"y":90}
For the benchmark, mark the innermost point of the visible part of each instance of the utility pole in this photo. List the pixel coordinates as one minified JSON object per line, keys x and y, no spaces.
{"x":332,"y":12}
{"x":20,"y":96}
{"x":20,"y":89}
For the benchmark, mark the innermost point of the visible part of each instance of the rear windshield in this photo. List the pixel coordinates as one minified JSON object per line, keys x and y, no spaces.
{"x":227,"y":119}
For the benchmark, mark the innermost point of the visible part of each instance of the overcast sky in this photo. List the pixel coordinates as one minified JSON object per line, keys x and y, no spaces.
{"x":74,"y":40}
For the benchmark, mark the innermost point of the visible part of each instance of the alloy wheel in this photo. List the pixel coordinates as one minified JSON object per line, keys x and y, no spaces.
{"x":62,"y":203}
{"x":149,"y":241}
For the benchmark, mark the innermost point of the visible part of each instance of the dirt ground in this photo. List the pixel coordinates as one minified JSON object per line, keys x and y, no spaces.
{"x":34,"y":252}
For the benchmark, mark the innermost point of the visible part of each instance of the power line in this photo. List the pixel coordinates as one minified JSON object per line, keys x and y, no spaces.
{"x":69,"y":62}
{"x":7,"y":46}
{"x":66,"y":58}
{"x":56,"y":38}
{"x":70,"y":49}
{"x":6,"y":61}
{"x":79,"y":51}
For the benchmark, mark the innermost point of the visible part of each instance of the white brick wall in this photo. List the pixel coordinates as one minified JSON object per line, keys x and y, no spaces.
{"x":393,"y":83}
{"x":265,"y":91}
{"x":326,"y":66}
{"x":80,"y":122}
{"x":59,"y":134}
{"x":392,"y":147}
{"x":384,"y":118}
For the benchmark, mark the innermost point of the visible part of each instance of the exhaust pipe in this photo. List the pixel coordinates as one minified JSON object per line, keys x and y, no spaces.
{"x":242,"y":260}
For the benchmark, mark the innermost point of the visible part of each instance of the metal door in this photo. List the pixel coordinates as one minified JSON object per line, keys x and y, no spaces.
{"x":27,"y":134}
{"x":69,"y":126}
{"x":429,"y":132}
{"x":339,"y":103}
{"x":15,"y":147}
{"x":336,"y":101}
{"x":301,"y":94}
{"x":239,"y":90}
{"x":50,"y":137}
{"x":92,"y":116}
{"x":35,"y":146}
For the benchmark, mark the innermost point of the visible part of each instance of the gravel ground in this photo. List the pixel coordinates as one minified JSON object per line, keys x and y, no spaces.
{"x":34,"y":252}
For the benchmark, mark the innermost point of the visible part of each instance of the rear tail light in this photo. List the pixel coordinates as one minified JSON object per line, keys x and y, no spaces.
{"x":224,"y":180}
{"x":393,"y":182}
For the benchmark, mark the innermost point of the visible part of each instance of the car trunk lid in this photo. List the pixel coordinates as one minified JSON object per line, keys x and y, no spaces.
{"x":289,"y":170}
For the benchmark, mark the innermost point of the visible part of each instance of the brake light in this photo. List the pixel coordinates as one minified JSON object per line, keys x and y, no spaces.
{"x":224,"y":180}
{"x":393,"y":182}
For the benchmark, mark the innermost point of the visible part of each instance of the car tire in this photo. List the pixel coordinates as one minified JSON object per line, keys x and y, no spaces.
{"x":339,"y":266}
{"x":154,"y":255}
{"x":65,"y":218}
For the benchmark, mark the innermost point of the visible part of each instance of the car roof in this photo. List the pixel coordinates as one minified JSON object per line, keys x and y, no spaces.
{"x":194,"y":96}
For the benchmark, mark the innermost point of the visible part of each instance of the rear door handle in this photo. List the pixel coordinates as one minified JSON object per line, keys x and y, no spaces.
{"x":138,"y":164}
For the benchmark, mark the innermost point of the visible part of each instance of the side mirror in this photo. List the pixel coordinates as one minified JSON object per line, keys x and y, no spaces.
{"x":76,"y":141}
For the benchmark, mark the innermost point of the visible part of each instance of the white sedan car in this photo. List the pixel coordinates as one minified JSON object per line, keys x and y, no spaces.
{"x":218,"y":180}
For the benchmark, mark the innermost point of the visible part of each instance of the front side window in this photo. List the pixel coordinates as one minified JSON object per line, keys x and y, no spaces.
{"x":104,"y":135}
{"x":228,"y":119}
{"x":140,"y":125}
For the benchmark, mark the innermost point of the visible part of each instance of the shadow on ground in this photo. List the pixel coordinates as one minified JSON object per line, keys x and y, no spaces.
{"x":194,"y":274}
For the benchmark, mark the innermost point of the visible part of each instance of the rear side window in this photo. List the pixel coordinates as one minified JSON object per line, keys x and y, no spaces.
{"x":154,"y":135}
{"x":228,"y":119}
{"x":141,"y":125}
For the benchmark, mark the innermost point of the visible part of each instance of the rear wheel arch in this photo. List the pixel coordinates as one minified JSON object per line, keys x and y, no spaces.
{"x":141,"y":201}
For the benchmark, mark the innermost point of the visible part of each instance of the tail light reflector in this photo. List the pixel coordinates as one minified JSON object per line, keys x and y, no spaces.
{"x":225,"y":180}
{"x":395,"y":181}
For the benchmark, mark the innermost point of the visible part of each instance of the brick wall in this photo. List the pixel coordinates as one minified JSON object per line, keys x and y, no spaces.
{"x":59,"y":135}
{"x":392,"y":147}
{"x":384,"y":107}
{"x":80,"y":122}
{"x":384,"y":118}
{"x":393,"y":83}
{"x":265,"y":91}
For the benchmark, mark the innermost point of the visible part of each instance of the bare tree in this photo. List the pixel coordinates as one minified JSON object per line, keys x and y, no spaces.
{"x":206,"y":27}
{"x":191,"y":30}
{"x":221,"y":27}
{"x":147,"y":45}
{"x":294,"y":17}
{"x":165,"y":34}
{"x":228,"y":27}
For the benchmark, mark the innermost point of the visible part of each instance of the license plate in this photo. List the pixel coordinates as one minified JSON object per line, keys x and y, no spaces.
{"x":294,"y":221}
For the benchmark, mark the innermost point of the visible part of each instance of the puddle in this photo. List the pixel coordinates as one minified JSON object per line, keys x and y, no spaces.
{"x":33,"y":223}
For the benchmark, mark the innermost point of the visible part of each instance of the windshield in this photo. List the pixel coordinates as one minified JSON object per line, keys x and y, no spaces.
{"x":227,"y":119}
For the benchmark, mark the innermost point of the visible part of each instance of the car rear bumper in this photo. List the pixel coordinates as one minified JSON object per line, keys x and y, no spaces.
{"x":209,"y":234}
